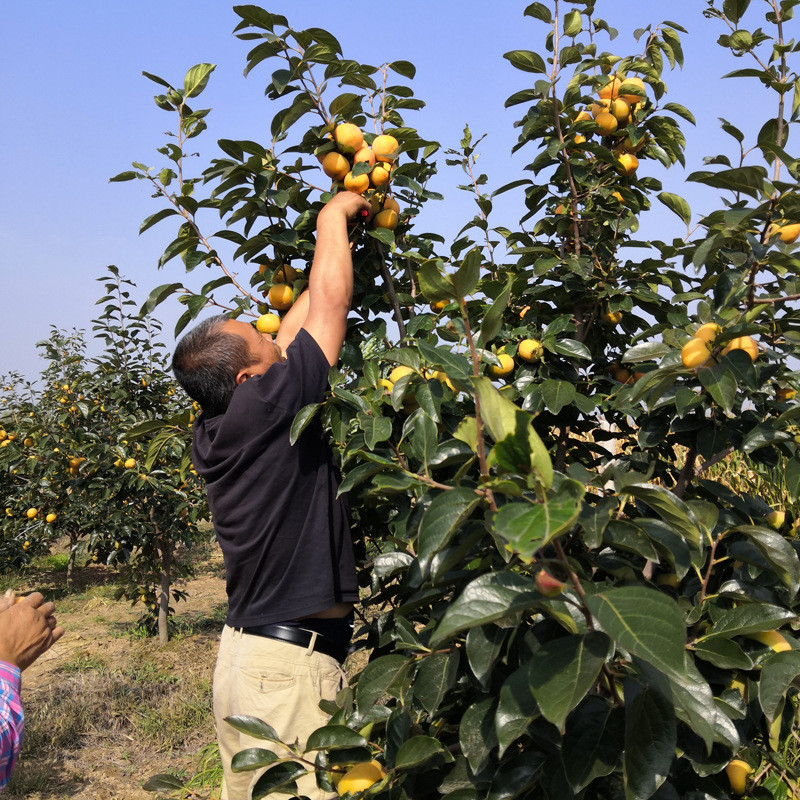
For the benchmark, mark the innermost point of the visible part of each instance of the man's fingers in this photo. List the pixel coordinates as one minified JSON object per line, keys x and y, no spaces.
{"x":47,"y":608}
{"x":34,"y":599}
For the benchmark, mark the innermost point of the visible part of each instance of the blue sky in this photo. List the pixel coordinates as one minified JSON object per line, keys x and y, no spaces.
{"x":77,"y":111}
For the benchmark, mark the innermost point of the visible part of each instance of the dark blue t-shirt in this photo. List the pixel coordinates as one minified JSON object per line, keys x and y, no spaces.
{"x":285,"y":536}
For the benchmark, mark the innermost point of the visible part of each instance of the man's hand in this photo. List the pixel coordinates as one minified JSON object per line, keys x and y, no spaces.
{"x":350,"y":204}
{"x":27,"y":629}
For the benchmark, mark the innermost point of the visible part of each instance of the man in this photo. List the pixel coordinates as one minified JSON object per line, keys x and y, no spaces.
{"x":284,"y":534}
{"x":27,"y":628}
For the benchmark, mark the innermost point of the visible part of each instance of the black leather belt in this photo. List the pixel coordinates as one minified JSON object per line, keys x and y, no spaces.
{"x":299,"y":636}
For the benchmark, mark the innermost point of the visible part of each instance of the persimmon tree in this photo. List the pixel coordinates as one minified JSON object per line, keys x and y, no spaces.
{"x":83,"y":465}
{"x":572,"y":598}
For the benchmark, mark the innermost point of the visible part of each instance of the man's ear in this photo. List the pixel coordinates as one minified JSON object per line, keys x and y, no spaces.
{"x":241,"y":377}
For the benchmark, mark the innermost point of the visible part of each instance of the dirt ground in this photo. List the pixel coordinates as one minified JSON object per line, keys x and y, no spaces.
{"x":103,"y":761}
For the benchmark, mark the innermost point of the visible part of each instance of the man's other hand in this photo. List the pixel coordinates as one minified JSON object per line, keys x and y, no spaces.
{"x":28,"y":629}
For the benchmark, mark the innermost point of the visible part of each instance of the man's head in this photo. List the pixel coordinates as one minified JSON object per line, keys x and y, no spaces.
{"x":216,"y":356}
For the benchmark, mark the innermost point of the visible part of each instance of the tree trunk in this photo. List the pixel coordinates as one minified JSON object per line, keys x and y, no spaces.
{"x":73,"y":546}
{"x":165,"y":556}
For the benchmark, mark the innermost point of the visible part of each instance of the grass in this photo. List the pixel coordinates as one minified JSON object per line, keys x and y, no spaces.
{"x":143,"y":705}
{"x":746,"y":477}
{"x":144,"y":700}
{"x":116,"y":707}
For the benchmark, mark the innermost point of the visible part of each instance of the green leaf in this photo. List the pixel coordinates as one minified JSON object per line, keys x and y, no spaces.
{"x":157,"y":217}
{"x":563,"y":670}
{"x":483,"y":649}
{"x":252,"y":726}
{"x":723,"y":653}
{"x":404,"y":68}
{"x":453,"y":364}
{"x":677,"y":205}
{"x":468,"y":274}
{"x":747,"y":180}
{"x":734,"y":10}
{"x":572,"y":23}
{"x":539,"y":11}
{"x":435,"y":284}
{"x":645,"y":622}
{"x":752,"y":618}
{"x":680,"y":110}
{"x":493,"y":318}
{"x":419,"y":750}
{"x":281,"y":776}
{"x":526,"y":60}
{"x":694,"y":704}
{"x":252,"y":758}
{"x":338,"y":104}
{"x":196,"y":79}
{"x":377,"y":678}
{"x":518,"y":776}
{"x":286,"y":117}
{"x":557,"y":394}
{"x":477,"y":734}
{"x":124,"y":176}
{"x":383,"y":235}
{"x":502,"y":417}
{"x":443,"y":517}
{"x":572,"y":349}
{"x":593,"y":741}
{"x":516,"y":708}
{"x":778,"y":552}
{"x":302,"y":420}
{"x":159,"y":295}
{"x":650,"y":739}
{"x":375,"y":429}
{"x":487,"y":598}
{"x":670,"y":508}
{"x":525,"y":527}
{"x":335,"y":737}
{"x":778,"y":672}
{"x":358,"y":475}
{"x":721,"y":384}
{"x":436,"y":675}
{"x":156,"y":79}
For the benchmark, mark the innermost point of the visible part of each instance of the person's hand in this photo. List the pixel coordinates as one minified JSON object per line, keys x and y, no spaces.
{"x":350,"y":204}
{"x":27,"y":629}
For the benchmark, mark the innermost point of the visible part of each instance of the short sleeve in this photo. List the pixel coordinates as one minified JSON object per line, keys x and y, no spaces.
{"x":299,"y":380}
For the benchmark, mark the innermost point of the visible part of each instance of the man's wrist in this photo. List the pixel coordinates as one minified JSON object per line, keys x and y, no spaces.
{"x":331,"y":215}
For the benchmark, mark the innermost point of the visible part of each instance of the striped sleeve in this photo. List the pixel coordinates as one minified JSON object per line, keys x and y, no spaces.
{"x":11,"y":720}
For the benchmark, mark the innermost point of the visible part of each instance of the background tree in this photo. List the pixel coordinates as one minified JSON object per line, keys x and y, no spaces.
{"x":77,"y":466}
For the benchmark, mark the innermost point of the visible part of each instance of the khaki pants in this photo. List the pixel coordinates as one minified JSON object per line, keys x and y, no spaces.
{"x":281,"y":684}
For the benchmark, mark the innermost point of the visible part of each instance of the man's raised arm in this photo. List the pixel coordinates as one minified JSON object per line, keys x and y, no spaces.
{"x":330,"y":283}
